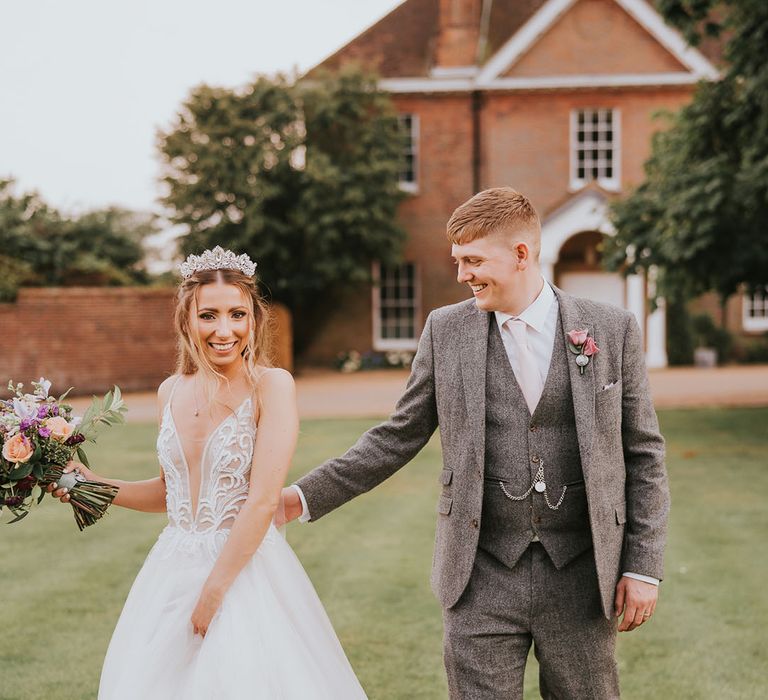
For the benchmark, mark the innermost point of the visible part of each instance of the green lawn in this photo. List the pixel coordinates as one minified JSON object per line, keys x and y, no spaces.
{"x":62,"y":590}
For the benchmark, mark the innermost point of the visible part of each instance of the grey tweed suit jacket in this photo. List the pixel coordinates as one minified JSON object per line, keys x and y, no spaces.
{"x":621,"y":448}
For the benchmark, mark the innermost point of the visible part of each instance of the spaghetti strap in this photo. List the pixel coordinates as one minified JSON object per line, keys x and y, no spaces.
{"x":173,"y":388}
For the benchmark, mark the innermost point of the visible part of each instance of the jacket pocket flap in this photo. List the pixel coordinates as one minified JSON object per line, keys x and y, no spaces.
{"x":445,"y":476}
{"x":621,"y":513}
{"x":444,"y":505}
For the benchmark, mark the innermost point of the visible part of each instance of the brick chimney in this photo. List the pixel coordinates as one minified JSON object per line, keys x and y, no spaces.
{"x":459,"y":33}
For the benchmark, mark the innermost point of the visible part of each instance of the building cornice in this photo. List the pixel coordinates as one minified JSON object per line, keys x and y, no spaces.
{"x":551,"y":82}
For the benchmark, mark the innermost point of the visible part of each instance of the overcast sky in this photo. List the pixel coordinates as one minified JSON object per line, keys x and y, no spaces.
{"x":84,"y":84}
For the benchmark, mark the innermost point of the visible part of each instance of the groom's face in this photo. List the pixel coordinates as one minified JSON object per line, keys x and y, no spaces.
{"x":492,"y":268}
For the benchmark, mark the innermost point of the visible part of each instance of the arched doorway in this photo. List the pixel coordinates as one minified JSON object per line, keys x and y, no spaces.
{"x":571,"y":237}
{"x":578,"y":270}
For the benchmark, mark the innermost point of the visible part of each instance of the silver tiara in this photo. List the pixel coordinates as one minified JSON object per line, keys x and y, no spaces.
{"x":217,"y":259}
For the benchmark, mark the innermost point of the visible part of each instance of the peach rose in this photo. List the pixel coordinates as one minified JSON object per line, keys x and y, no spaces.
{"x":577,"y":337}
{"x":60,"y":429}
{"x":18,"y":449}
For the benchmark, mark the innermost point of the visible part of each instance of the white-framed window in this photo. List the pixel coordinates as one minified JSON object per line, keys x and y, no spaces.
{"x":409,"y":170}
{"x":755,"y":307}
{"x":396,"y":306}
{"x":595,"y":154}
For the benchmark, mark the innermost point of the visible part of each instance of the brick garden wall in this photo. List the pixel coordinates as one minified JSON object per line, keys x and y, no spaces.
{"x":93,"y":337}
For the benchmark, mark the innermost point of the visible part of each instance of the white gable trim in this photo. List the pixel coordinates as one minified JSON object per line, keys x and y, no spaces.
{"x":454,"y":72}
{"x":524,"y":38}
{"x":551,"y":11}
{"x":670,"y":38}
{"x":401,"y":86}
{"x":588,"y":81}
{"x":408,"y":85}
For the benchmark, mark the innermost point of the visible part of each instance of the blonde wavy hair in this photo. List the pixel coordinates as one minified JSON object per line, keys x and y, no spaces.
{"x":191,"y":355}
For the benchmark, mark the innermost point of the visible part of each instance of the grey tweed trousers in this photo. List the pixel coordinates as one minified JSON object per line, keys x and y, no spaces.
{"x":489,"y":631}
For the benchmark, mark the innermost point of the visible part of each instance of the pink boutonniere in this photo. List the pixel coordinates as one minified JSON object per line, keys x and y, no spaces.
{"x":583,"y":346}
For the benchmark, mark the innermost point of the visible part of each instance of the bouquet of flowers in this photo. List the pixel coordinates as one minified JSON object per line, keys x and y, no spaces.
{"x":38,"y":437}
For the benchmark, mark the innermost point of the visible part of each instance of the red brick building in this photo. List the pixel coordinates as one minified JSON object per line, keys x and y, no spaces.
{"x":553,"y":97}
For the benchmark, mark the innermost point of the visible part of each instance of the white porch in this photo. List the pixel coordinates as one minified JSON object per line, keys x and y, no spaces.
{"x":570,"y":258}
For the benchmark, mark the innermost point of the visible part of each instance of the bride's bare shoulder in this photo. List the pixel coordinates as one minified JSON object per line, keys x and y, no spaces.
{"x":275,"y":381}
{"x":164,"y":391}
{"x":275,"y":376}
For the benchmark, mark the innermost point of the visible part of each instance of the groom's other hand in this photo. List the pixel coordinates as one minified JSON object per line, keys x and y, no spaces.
{"x":637,"y":600}
{"x":290,"y":506}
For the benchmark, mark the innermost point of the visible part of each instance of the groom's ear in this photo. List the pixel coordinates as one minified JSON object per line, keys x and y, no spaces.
{"x":522,"y":253}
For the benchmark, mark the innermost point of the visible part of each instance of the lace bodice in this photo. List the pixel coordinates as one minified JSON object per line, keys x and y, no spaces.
{"x":225,"y":466}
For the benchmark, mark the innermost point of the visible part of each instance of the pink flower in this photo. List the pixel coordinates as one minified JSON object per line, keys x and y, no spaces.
{"x":577,"y":337}
{"x":590,"y":348}
{"x":18,"y":449}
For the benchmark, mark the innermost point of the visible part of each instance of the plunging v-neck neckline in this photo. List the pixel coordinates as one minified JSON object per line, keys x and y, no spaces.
{"x":194,"y":507}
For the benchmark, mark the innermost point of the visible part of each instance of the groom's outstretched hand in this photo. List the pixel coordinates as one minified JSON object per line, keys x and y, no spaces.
{"x":290,"y":506}
{"x":637,"y":600}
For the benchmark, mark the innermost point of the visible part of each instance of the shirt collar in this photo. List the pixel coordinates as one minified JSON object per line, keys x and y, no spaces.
{"x":536,"y":314}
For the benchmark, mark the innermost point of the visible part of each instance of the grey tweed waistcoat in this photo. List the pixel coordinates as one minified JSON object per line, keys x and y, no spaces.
{"x":516,"y":445}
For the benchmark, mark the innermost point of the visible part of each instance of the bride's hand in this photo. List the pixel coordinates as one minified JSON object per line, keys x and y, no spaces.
{"x":63,"y":494}
{"x":207,"y":605}
{"x":289,"y":508}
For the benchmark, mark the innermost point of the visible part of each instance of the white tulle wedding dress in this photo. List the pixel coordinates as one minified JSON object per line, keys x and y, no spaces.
{"x":271,"y":637}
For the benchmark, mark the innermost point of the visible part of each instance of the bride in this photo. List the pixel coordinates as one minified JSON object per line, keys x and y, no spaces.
{"x":221,"y":608}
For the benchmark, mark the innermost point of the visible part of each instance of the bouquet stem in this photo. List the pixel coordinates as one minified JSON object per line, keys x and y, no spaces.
{"x":89,"y":499}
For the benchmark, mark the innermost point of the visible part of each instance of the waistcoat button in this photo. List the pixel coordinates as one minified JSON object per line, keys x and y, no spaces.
{"x":474,"y":522}
{"x":535,"y":459}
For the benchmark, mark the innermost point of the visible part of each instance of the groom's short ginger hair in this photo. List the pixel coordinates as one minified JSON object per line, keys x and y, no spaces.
{"x":492,"y":210}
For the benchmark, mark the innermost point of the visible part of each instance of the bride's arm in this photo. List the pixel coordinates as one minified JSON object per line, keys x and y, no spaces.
{"x":147,"y":496}
{"x":278,"y":429}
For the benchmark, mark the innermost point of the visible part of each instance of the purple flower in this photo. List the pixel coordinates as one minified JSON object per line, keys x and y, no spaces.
{"x":42,"y":412}
{"x":26,"y":423}
{"x":42,"y":431}
{"x":54,"y":410}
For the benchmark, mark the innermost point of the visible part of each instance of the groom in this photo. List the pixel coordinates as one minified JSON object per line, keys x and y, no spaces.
{"x":553,"y":511}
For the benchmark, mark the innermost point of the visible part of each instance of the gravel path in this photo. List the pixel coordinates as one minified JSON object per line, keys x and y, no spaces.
{"x":330,"y":394}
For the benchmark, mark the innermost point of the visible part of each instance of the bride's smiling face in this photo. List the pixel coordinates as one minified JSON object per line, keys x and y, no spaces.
{"x":222,"y":322}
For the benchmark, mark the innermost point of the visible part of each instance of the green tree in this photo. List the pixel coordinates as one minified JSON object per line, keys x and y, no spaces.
{"x":42,"y":247}
{"x":702,"y":212}
{"x":107,"y":246}
{"x":302,"y":176}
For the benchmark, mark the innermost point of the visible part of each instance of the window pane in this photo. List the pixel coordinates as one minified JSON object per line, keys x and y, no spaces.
{"x":408,"y":124}
{"x":397,"y":302}
{"x":593,"y":144}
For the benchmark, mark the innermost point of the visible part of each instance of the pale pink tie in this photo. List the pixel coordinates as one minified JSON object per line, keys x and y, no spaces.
{"x":527,"y":372}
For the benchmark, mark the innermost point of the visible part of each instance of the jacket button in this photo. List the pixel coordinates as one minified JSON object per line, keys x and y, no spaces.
{"x":474,"y":522}
{"x":537,"y":519}
{"x":535,"y":459}
{"x":533,"y":428}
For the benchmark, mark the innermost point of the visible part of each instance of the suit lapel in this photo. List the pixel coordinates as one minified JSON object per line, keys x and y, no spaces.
{"x":473,"y":352}
{"x":582,"y":385}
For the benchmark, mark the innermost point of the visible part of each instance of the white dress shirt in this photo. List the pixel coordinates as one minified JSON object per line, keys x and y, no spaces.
{"x":540,"y":322}
{"x":540,"y":325}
